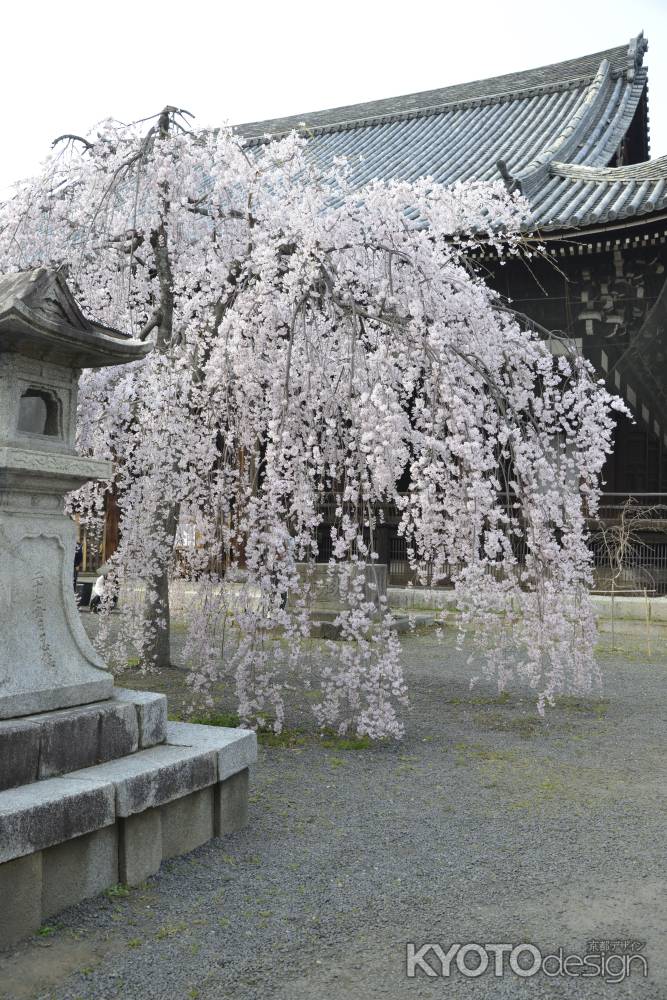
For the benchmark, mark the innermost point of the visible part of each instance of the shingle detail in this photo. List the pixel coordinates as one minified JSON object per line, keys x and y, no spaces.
{"x":551,"y":131}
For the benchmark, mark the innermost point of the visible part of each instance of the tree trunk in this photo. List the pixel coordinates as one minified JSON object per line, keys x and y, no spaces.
{"x":157,"y":648}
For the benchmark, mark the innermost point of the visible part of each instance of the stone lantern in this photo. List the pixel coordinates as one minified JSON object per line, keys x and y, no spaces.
{"x":97,"y":787}
{"x":46,"y":660}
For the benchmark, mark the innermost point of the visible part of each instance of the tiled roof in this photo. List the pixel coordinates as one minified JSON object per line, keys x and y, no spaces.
{"x":551,"y":131}
{"x":579,"y":195}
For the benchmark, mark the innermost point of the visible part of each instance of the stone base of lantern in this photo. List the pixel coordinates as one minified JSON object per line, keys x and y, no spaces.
{"x":68,"y":837}
{"x":327,"y":602}
{"x":323,"y":624}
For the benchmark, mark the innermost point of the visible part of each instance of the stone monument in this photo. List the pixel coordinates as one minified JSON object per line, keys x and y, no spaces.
{"x":46,"y":660}
{"x":96,"y":787}
{"x":327,"y":602}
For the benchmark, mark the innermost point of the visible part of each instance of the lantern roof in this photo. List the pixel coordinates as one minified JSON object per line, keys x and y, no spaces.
{"x":39,"y":318}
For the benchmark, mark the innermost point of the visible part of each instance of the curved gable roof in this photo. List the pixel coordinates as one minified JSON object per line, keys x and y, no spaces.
{"x":525,"y":127}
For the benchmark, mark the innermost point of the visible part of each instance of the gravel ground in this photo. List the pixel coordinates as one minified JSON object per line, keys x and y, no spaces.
{"x":485,"y":824}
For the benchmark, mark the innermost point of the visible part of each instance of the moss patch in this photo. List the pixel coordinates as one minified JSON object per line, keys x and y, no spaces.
{"x":503,"y":698}
{"x":228,"y":720}
{"x":596,"y":707}
{"x":287,"y":739}
{"x":334,"y":742}
{"x":525,"y":780}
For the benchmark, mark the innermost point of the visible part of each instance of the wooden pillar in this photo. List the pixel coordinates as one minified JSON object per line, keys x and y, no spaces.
{"x":382,"y":544}
{"x":111,"y":525}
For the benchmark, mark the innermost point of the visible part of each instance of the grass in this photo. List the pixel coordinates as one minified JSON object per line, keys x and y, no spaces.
{"x":228,"y":720}
{"x":499,"y":699}
{"x":334,"y":742}
{"x":523,"y":780}
{"x":477,"y":751}
{"x":119,"y":891}
{"x":170,"y":930}
{"x":590,"y":706}
{"x":46,"y":930}
{"x":526,"y":725}
{"x":286,"y":739}
{"x":328,"y":740}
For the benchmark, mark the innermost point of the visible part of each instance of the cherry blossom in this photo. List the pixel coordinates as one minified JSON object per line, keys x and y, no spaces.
{"x":316,"y":348}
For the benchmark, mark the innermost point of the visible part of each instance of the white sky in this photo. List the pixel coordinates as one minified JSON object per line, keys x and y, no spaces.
{"x":66,"y":65}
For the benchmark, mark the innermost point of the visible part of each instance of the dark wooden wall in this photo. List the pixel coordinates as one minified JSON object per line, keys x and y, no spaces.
{"x":600,"y":290}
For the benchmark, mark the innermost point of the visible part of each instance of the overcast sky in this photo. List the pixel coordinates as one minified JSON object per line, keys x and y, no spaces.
{"x":66,"y":65}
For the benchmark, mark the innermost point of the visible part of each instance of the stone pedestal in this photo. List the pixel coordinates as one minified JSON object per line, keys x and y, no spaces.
{"x":327,"y":602}
{"x":46,"y":659}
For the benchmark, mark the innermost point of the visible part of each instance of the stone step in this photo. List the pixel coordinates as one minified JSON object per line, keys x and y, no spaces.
{"x":37,"y":747}
{"x":323,"y":624}
{"x":66,"y":838}
{"x":633,"y":626}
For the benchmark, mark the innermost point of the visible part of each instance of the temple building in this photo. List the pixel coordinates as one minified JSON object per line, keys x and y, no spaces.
{"x":573,"y":138}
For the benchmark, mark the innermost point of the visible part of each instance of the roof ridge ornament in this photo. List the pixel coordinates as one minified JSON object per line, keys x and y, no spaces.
{"x":534,"y":175}
{"x":636,"y":50}
{"x":511,"y":182}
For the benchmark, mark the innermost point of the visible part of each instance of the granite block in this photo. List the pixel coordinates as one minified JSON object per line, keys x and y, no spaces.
{"x":44,"y":813}
{"x":235,"y":749}
{"x":187,"y":823}
{"x":74,"y":738}
{"x":21,"y":896}
{"x":152,"y":714}
{"x":78,"y":869}
{"x":231,"y":804}
{"x":152,"y":777}
{"x":19,"y":753}
{"x":139,"y":846}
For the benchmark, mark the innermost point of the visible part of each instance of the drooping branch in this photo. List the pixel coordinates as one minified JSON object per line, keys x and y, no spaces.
{"x":71,"y":137}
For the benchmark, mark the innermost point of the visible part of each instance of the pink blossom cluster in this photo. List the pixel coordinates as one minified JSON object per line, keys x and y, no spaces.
{"x":316,"y":347}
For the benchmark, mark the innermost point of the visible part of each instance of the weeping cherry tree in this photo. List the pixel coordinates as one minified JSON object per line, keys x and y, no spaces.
{"x":318,"y":345}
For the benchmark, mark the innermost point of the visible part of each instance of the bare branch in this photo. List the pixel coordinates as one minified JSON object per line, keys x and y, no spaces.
{"x":150,"y":325}
{"x":70,"y":137}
